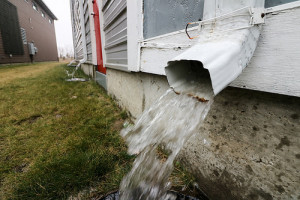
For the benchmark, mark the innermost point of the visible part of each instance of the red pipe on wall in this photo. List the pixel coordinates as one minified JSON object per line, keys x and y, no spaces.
{"x":100,"y":65}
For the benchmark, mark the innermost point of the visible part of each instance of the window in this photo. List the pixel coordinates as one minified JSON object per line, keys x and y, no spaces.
{"x":50,"y":21}
{"x":169,"y":16}
{"x":34,"y":6}
{"x":43,"y":14}
{"x":271,"y":3}
{"x":27,"y":1}
{"x":23,"y":35}
{"x":11,"y":34}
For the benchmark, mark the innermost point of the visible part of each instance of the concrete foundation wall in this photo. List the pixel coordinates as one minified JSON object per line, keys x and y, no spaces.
{"x":135,"y":91}
{"x":248,"y":147}
{"x":88,"y":69}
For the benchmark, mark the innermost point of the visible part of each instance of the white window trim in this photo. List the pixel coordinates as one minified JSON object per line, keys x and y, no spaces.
{"x":134,"y":33}
{"x":35,"y":7}
{"x":284,"y":6}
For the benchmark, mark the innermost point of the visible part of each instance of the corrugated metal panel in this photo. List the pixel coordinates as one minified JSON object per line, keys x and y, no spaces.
{"x":115,"y":30}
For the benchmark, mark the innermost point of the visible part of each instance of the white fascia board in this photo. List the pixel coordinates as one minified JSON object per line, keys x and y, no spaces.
{"x":134,"y":33}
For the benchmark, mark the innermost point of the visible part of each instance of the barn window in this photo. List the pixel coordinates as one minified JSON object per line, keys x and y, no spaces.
{"x":23,"y":34}
{"x":10,"y":29}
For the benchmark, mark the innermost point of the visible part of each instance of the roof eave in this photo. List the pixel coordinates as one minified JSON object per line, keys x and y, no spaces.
{"x":46,"y":9}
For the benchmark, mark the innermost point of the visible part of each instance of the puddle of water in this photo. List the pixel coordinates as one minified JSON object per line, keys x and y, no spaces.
{"x":169,"y":122}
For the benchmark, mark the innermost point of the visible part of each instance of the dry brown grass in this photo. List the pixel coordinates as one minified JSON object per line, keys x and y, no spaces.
{"x":13,"y":72}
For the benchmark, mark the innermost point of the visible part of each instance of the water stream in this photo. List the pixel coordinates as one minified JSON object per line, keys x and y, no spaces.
{"x":168,"y":123}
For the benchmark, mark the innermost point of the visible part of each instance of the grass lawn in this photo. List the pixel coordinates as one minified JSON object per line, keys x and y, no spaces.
{"x":57,"y":138}
{"x":60,"y":140}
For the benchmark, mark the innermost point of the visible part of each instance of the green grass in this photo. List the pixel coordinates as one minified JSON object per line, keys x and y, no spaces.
{"x":57,"y":138}
{"x":61,"y":139}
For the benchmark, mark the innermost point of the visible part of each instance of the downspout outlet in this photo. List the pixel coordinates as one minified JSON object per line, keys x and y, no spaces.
{"x":224,"y":48}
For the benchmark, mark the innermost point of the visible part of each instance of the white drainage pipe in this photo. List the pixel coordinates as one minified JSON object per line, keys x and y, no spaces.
{"x":82,"y":25}
{"x":226,"y":44}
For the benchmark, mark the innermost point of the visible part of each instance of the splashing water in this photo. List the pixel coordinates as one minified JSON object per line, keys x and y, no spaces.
{"x":168,"y":123}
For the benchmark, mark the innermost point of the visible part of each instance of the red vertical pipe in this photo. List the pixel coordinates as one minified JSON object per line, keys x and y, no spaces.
{"x":100,"y":65}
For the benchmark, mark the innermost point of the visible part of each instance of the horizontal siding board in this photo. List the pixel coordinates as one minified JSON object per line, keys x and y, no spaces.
{"x":117,"y":61}
{"x":122,"y":54}
{"x":115,"y":30}
{"x":119,"y":48}
{"x":117,"y":36}
{"x":89,"y":57}
{"x":78,"y":44}
{"x":105,"y":3}
{"x":121,"y":21}
{"x":120,"y":41}
{"x":88,"y":39}
{"x":114,"y":14}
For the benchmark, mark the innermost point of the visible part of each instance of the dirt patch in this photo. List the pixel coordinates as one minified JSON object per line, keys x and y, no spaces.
{"x":29,"y":120}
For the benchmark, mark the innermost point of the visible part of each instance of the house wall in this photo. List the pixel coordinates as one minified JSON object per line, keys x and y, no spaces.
{"x":248,"y":147}
{"x":38,"y":30}
{"x":274,"y":54}
{"x":77,"y":30}
{"x":84,"y":44}
{"x":88,"y":30}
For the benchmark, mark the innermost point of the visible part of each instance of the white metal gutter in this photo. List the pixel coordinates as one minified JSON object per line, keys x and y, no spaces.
{"x":227,"y":39}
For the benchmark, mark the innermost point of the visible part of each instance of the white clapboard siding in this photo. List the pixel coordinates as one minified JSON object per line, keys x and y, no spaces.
{"x":76,"y":27}
{"x":115,"y":31}
{"x":87,"y":31}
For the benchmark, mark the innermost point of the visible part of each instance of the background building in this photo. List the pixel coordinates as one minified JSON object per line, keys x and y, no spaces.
{"x":27,"y":27}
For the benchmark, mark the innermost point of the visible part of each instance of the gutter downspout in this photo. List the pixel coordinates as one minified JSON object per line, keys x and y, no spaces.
{"x":227,"y":39}
{"x":82,"y":25}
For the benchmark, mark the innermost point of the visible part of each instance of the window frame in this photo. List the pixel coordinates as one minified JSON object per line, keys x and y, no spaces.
{"x":35,"y":7}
